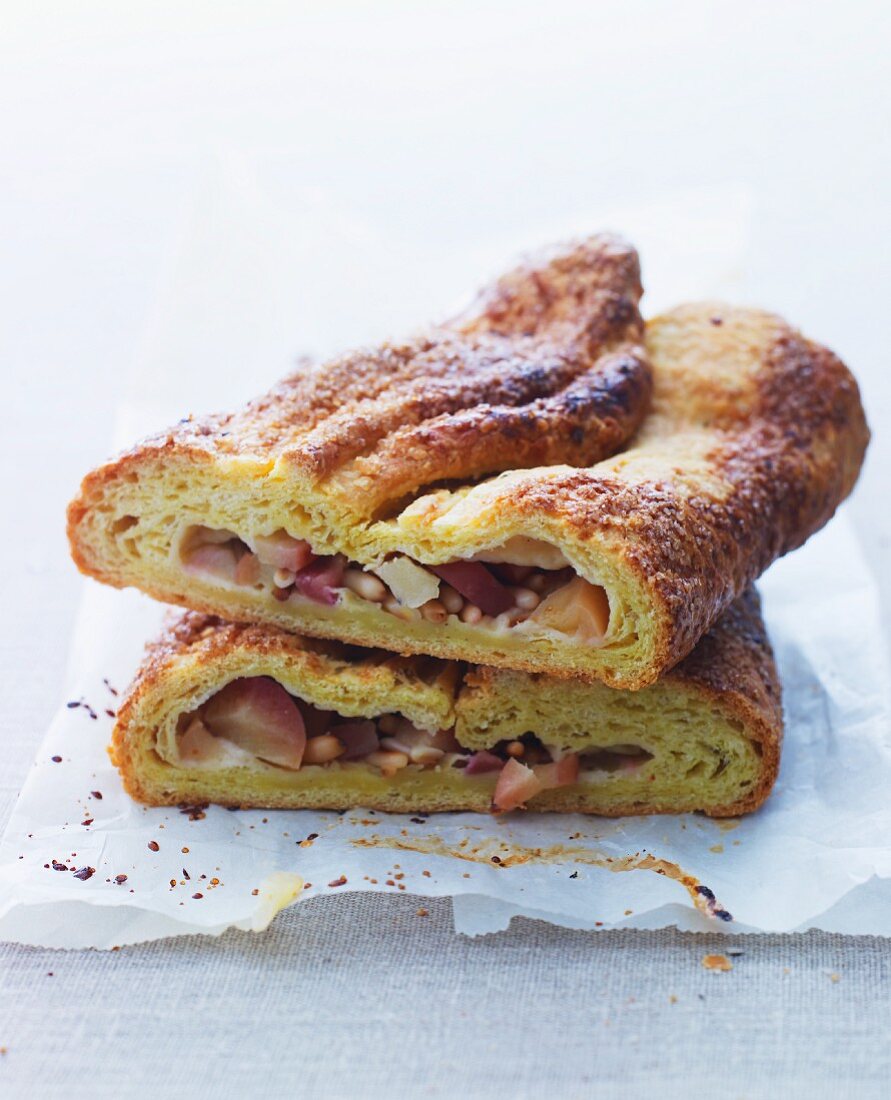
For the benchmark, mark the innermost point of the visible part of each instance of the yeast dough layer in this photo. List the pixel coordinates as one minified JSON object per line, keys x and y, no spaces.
{"x":754,"y":435}
{"x":710,"y":731}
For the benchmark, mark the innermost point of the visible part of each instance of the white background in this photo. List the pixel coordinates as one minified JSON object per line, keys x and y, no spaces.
{"x":437,"y":135}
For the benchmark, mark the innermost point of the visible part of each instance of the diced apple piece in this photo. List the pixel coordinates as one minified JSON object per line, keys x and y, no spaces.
{"x":212,"y":560}
{"x":283,"y":551}
{"x":320,"y":580}
{"x":259,"y":716}
{"x":197,"y":743}
{"x":358,"y":738}
{"x":579,"y":609}
{"x":477,"y":584}
{"x":559,"y":773}
{"x":198,"y":747}
{"x":409,"y":739}
{"x":248,"y":569}
{"x":482,"y":762}
{"x":410,"y":583}
{"x":315,"y":720}
{"x":516,"y":785}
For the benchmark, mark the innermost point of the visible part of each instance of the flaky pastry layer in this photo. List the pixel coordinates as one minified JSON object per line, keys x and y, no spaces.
{"x":754,"y":436}
{"x":706,"y":737}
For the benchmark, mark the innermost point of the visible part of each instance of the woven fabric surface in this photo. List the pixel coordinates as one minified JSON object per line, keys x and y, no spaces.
{"x":360,"y":996}
{"x":363,"y":997}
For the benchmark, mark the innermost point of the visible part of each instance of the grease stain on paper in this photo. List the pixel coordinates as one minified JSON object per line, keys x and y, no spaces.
{"x":504,"y":855}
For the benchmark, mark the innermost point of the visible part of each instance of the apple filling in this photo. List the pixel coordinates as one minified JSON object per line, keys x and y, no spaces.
{"x":492,"y":594}
{"x":255,"y":719}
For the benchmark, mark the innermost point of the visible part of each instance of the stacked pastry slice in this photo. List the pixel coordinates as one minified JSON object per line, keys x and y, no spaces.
{"x":574,"y":502}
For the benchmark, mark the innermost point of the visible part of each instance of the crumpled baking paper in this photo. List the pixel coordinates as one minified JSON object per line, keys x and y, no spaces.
{"x":817,"y":855}
{"x":83,"y":866}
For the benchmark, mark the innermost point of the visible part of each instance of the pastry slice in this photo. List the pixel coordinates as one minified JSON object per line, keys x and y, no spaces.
{"x":355,"y":500}
{"x":252,"y":716}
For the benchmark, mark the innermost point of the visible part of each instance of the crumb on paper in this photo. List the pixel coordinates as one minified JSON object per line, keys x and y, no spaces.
{"x":717,"y":848}
{"x":717,"y":962}
{"x":834,"y":977}
{"x":672,"y":1000}
{"x":422,"y":912}
{"x":341,"y":881}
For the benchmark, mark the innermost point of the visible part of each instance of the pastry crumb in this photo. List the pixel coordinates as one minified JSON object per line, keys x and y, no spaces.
{"x":716,"y":962}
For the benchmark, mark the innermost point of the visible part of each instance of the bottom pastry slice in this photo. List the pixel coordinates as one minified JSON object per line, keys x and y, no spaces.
{"x":252,"y":716}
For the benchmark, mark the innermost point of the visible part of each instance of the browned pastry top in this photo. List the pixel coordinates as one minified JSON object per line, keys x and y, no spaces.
{"x":547,"y":367}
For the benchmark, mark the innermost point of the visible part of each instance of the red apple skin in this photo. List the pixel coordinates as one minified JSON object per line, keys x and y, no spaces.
{"x":559,"y":773}
{"x":516,"y":785}
{"x":483,"y":763}
{"x":478,"y":584}
{"x":259,"y":716}
{"x":320,"y":580}
{"x":358,"y":738}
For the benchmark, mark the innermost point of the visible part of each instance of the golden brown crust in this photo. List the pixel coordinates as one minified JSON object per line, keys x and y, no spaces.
{"x":754,"y":437}
{"x":732,"y":667}
{"x":549,"y":368}
{"x":729,"y":678}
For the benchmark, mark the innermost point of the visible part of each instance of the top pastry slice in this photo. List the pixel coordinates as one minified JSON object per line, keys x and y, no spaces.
{"x":641,"y":481}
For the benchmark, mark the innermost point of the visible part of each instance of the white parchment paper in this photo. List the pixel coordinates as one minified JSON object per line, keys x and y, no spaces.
{"x":819,"y":853}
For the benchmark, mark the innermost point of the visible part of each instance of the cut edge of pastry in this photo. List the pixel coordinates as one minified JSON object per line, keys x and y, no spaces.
{"x":747,"y":416}
{"x":590,"y":616}
{"x":704,"y":738}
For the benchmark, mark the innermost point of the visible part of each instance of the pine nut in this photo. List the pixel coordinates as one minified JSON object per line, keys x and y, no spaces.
{"x":283,"y":578}
{"x":365,"y":585}
{"x":388,"y":762}
{"x":470,"y":613}
{"x":407,"y":614}
{"x":515,"y":748}
{"x":510,"y":618}
{"x":322,"y":749}
{"x":434,"y":611}
{"x":426,"y":755}
{"x":393,"y":744}
{"x":537,"y":582}
{"x":451,"y":600}
{"x":526,"y":599}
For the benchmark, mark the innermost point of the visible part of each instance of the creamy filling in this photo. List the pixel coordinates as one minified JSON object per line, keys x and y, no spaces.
{"x":532,"y":586}
{"x":254,"y":719}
